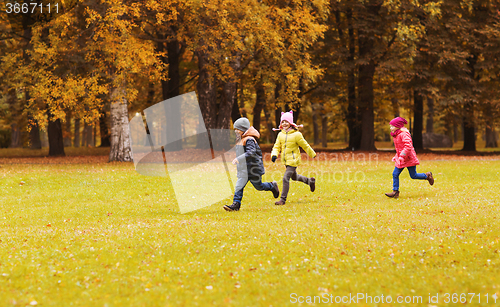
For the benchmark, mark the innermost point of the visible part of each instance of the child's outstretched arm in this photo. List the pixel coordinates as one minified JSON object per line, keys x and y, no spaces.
{"x":304,"y":145}
{"x":276,"y":148}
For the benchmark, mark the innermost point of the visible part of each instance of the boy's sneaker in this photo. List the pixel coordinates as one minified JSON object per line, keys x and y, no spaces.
{"x":312,"y":184}
{"x":430,"y":178}
{"x":280,"y":202}
{"x":234,"y":207}
{"x":275,"y":190}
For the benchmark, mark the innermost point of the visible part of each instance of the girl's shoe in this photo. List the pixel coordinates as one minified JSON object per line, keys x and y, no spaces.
{"x":312,"y":184}
{"x":394,"y":194}
{"x":234,"y":207}
{"x":280,"y":202}
{"x":430,"y":178}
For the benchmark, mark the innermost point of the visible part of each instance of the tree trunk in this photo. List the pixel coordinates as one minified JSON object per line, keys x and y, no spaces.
{"x":67,"y":130}
{"x":226,"y":106}
{"x":235,"y":111}
{"x":89,"y":135}
{"x":15,"y":136}
{"x":151,"y":95}
{"x":395,"y":107}
{"x":170,"y":89}
{"x":260,"y":100}
{"x":84,"y":134}
{"x":315,"y":126}
{"x":469,"y":127}
{"x":277,"y":117}
{"x":207,"y":95}
{"x":297,"y":105}
{"x":35,"y":141}
{"x":418,"y":120}
{"x":324,"y":128}
{"x":76,"y":134}
{"x":491,"y":137}
{"x":277,"y":111}
{"x":120,"y":134}
{"x":353,"y":116}
{"x":241,"y":101}
{"x":456,"y":121}
{"x":430,"y":115}
{"x":366,"y":73}
{"x":490,"y":133}
{"x":468,"y":112}
{"x":103,"y":130}
{"x":55,"y":134}
{"x":271,"y":136}
{"x":34,"y":135}
{"x":448,"y":125}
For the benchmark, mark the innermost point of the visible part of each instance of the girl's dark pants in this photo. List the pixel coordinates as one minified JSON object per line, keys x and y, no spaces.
{"x":291,"y":172}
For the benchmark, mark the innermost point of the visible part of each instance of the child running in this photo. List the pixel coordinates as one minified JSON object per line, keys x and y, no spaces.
{"x":249,"y":163}
{"x":287,"y":143}
{"x":405,"y":156}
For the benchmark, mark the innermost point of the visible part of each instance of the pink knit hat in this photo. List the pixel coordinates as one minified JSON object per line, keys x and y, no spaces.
{"x":398,"y":122}
{"x":288,"y":116}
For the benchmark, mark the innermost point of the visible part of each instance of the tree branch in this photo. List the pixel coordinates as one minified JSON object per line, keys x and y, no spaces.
{"x":387,"y":49}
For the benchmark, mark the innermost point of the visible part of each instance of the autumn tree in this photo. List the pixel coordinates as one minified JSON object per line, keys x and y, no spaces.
{"x":74,"y":68}
{"x":227,"y":35}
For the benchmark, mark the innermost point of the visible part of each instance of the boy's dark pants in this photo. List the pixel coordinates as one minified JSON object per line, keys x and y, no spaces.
{"x":291,"y":172}
{"x":256,"y":181}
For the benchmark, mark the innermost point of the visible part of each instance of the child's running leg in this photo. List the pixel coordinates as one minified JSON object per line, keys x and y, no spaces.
{"x":265,"y":186}
{"x":297,"y":177}
{"x":261,"y":186}
{"x":395,"y":178}
{"x":311,"y":182}
{"x":414,"y":175}
{"x":241,"y":182}
{"x":290,"y":170}
{"x":395,"y":183}
{"x":422,"y":176}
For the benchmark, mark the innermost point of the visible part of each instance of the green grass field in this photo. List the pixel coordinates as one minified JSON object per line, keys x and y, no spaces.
{"x":102,"y":235}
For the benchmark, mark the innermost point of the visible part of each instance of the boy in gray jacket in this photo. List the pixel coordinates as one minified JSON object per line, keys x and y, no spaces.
{"x":248,"y":151}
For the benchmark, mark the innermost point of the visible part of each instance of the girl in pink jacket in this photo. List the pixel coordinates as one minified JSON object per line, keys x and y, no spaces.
{"x":405,"y":156}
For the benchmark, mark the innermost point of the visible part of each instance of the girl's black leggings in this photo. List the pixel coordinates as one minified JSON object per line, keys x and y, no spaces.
{"x":291,"y":172}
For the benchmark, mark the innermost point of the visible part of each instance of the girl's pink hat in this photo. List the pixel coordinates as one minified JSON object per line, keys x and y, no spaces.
{"x":398,"y":122}
{"x":288,"y":116}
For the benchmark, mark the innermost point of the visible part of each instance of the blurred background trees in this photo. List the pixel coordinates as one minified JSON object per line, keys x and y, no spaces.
{"x":76,"y":76}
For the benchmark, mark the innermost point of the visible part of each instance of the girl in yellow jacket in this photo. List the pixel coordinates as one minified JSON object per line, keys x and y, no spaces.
{"x":287,"y":143}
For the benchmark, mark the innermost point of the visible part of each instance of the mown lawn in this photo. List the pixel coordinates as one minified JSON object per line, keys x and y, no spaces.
{"x":102,"y":235}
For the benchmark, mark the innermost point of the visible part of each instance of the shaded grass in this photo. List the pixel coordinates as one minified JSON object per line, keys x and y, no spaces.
{"x":90,"y":235}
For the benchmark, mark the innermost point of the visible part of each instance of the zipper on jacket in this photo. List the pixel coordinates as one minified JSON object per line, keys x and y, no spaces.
{"x":284,"y":151}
